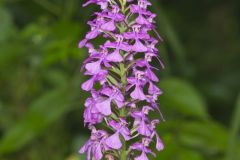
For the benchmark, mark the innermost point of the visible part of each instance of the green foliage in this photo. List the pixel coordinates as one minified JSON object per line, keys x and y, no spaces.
{"x":42,"y":113}
{"x":233,"y":144}
{"x":41,"y":102}
{"x":194,"y":138}
{"x":6,"y":25}
{"x":181,"y":96}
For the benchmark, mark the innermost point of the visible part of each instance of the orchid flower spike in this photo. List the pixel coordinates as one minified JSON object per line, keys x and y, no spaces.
{"x":122,"y":81}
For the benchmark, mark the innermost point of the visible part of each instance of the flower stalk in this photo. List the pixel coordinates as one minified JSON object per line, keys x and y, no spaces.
{"x":123,"y":66}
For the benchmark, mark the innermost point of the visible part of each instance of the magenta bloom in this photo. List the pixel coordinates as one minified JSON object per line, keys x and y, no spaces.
{"x":120,"y":129}
{"x":122,"y":81}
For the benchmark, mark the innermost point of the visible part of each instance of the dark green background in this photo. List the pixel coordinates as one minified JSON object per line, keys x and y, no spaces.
{"x":41,"y":101}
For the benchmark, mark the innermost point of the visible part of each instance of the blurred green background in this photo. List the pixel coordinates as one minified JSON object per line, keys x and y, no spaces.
{"x":41,"y":102}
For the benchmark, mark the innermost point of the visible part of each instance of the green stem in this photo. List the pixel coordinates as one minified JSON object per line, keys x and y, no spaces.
{"x":123,"y":154}
{"x":122,"y":66}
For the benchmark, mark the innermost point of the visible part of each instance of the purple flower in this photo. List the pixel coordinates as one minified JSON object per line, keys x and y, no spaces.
{"x":159,"y":143}
{"x":143,"y":147}
{"x":100,"y":76}
{"x":141,"y":121}
{"x":117,"y":46}
{"x":122,"y":80}
{"x":112,"y":94}
{"x":91,"y":113}
{"x":138,"y":81}
{"x":95,"y":29}
{"x":114,"y":16}
{"x":101,"y":58}
{"x":141,"y":10}
{"x":95,"y":146}
{"x":138,"y":36}
{"x":149,"y":73}
{"x":120,"y":129}
{"x":102,"y":3}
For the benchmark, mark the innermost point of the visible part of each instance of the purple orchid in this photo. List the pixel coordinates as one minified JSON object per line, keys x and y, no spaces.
{"x":117,"y":46}
{"x":141,"y":121}
{"x":143,"y":147}
{"x":112,"y":94}
{"x":138,"y":81}
{"x":114,"y":17}
{"x":159,"y":144}
{"x":138,"y":36}
{"x":91,"y":113}
{"x":141,"y":10}
{"x":95,"y":29}
{"x":95,"y":146}
{"x":122,"y":81}
{"x":102,"y":3}
{"x":120,"y":129}
{"x":100,"y":76}
{"x":102,"y":57}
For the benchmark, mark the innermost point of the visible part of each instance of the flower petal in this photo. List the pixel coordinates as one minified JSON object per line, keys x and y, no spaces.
{"x":114,"y":141}
{"x":115,"y":56}
{"x":93,"y":67}
{"x":139,"y":47}
{"x":104,"y":107}
{"x":143,"y":156}
{"x":138,"y":93}
{"x":109,"y":26}
{"x":92,"y":34}
{"x":141,"y":20}
{"x":88,"y":85}
{"x":82,"y":43}
{"x":143,"y":129}
{"x":97,"y":152}
{"x":152,"y":75}
{"x":159,"y":144}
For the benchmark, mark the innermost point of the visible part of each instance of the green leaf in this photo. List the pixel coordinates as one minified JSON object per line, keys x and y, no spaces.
{"x":209,"y":136}
{"x":6,"y":25}
{"x":182,"y":97}
{"x":174,"y":150}
{"x":165,"y":26}
{"x":116,"y":70}
{"x":170,"y":149}
{"x":233,"y":135}
{"x":122,"y":68}
{"x":43,"y":113}
{"x":186,"y":153}
{"x":112,"y":80}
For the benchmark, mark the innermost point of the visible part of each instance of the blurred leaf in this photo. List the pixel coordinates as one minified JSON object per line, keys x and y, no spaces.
{"x":36,"y":33}
{"x":185,"y":153}
{"x":170,"y":147}
{"x":56,"y":77}
{"x":64,"y":44}
{"x":181,"y":96}
{"x":43,"y":113}
{"x":234,"y":132}
{"x":73,"y":157}
{"x":172,"y":39}
{"x":176,"y":151}
{"x":77,"y":144}
{"x":10,"y":55}
{"x":6,"y":24}
{"x":208,"y":136}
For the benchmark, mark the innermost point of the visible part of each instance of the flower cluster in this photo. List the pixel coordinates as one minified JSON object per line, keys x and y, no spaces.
{"x":121,"y":81}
